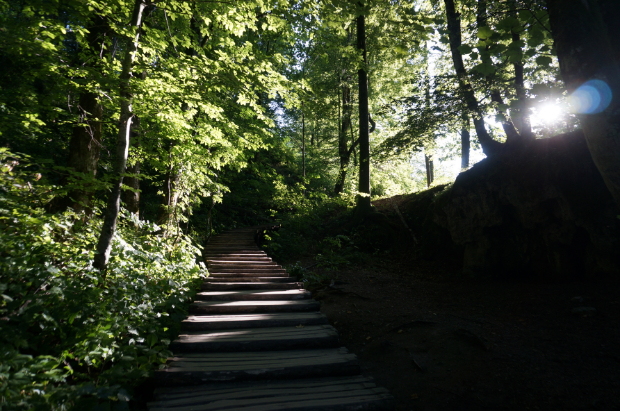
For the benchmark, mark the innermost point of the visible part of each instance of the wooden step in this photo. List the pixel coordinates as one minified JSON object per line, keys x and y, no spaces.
{"x":220,"y":274}
{"x":334,"y":394}
{"x":257,"y":339}
{"x":243,"y":263}
{"x":220,"y":251}
{"x":238,"y":258}
{"x":248,"y":307}
{"x":232,"y":279}
{"x":194,"y":369}
{"x":251,"y":285}
{"x":233,"y":321}
{"x":253,"y":295}
{"x":275,"y":268}
{"x":246,"y":267}
{"x":253,"y":261}
{"x":258,"y":253}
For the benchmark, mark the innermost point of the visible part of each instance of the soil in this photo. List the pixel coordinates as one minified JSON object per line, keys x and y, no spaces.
{"x":438,"y":341}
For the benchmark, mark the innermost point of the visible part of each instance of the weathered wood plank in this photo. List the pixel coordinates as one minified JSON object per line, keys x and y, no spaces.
{"x":217,"y":307}
{"x":272,"y":269}
{"x":257,"y":339}
{"x":268,"y":279}
{"x":338,"y":394}
{"x":220,"y":274}
{"x":252,"y":285}
{"x":246,"y":389}
{"x":224,"y":322}
{"x":244,"y":366}
{"x":253,"y":295}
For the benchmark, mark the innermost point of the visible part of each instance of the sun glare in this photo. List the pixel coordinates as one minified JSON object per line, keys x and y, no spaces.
{"x":547,"y":114}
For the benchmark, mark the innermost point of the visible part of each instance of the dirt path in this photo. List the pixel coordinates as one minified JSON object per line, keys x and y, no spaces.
{"x":438,"y":344}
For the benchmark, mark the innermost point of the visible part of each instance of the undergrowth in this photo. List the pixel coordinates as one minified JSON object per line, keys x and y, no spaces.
{"x":70,"y":336}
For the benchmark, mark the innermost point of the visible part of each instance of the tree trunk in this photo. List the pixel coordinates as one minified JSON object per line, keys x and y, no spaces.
{"x":84,"y":147}
{"x":465,"y":144}
{"x":343,"y":147}
{"x":104,"y":245}
{"x":171,"y":191}
{"x":85,"y":143}
{"x":363,"y":200}
{"x":520,"y":115}
{"x":430,"y":176}
{"x":303,"y":144}
{"x":131,"y":198}
{"x":586,"y":51}
{"x":489,"y":146}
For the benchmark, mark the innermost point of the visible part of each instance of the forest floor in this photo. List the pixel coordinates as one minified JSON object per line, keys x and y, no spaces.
{"x":441,"y":342}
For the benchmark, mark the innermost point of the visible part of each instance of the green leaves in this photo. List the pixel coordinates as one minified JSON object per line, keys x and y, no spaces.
{"x":484,"y":32}
{"x":66,"y":315}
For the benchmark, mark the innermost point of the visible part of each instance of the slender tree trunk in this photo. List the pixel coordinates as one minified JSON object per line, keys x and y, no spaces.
{"x":430,"y":177}
{"x":303,"y":145}
{"x":512,"y":135}
{"x":353,"y":141}
{"x":465,"y":143}
{"x":171,"y":190}
{"x":520,"y":115}
{"x":489,"y":146}
{"x":587,"y":51}
{"x":104,"y":245}
{"x":131,"y":198}
{"x":363,"y":200}
{"x":343,"y":149}
{"x":85,"y":143}
{"x":84,"y":147}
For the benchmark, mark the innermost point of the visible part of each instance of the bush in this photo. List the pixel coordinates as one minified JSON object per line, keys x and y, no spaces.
{"x":70,"y":336}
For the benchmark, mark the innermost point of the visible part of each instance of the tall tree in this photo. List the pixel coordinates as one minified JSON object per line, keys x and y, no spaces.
{"x":489,"y":145}
{"x":588,"y":50}
{"x":363,"y":200}
{"x":104,"y":245}
{"x":85,"y":143}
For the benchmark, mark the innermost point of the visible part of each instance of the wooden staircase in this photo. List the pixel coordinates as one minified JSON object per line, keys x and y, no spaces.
{"x":256,"y":341}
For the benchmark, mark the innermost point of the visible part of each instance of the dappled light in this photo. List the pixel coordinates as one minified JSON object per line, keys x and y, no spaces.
{"x":185,"y":185}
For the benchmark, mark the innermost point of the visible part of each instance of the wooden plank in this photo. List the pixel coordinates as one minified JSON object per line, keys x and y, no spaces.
{"x":272,"y":365}
{"x":257,"y":388}
{"x":271,"y":392}
{"x":267,"y":270}
{"x":236,"y":255}
{"x":268,"y":279}
{"x":217,"y":307}
{"x":253,"y":295}
{"x":257,"y":339}
{"x":224,"y":322}
{"x":242,"y":264}
{"x":252,"y":285}
{"x":214,"y":274}
{"x":353,"y":401}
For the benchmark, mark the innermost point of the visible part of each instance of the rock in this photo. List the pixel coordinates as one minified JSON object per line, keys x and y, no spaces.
{"x":540,"y":210}
{"x":584,"y":311}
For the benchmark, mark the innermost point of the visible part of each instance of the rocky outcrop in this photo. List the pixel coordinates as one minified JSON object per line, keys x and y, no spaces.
{"x":539,"y":210}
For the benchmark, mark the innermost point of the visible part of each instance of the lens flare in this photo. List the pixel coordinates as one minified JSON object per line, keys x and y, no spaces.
{"x":591,"y":97}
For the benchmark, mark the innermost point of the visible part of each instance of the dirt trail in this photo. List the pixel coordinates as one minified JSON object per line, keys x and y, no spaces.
{"x":440,"y":344}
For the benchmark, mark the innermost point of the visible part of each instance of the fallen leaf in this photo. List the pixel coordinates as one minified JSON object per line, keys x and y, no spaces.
{"x":368,"y":338}
{"x":300,"y":326}
{"x":399,"y":331}
{"x":414,"y":396}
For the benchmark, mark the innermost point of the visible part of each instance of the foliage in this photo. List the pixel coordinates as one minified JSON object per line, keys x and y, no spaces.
{"x":72,"y":337}
{"x":301,"y":230}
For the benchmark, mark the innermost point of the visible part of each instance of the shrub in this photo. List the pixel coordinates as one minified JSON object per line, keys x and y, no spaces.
{"x":70,"y":336}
